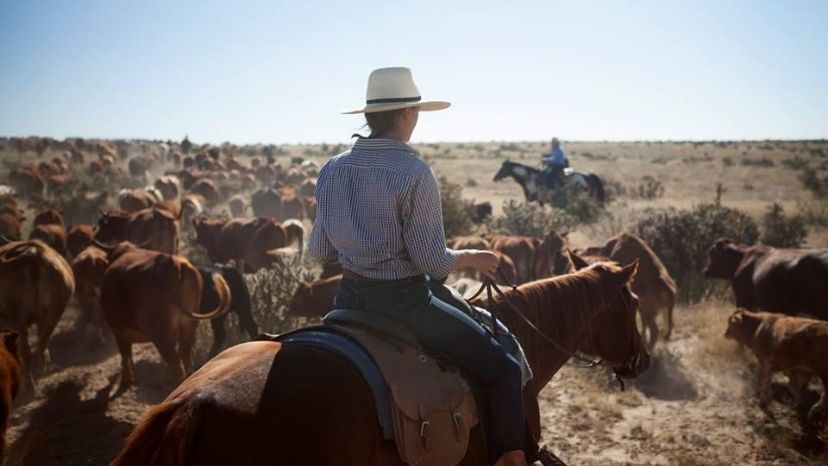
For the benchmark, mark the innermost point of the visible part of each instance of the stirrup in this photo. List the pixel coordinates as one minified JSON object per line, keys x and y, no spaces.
{"x":547,"y":458}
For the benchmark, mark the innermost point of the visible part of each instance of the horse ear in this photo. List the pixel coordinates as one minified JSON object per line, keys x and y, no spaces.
{"x":629,"y":271}
{"x":577,"y":261}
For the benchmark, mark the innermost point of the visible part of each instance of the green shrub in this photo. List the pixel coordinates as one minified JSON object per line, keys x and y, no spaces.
{"x":457,"y":211}
{"x":781,"y":231}
{"x":530,"y":219}
{"x":575,"y":202}
{"x":681,"y":238}
{"x":818,"y":185}
{"x":650,"y":188}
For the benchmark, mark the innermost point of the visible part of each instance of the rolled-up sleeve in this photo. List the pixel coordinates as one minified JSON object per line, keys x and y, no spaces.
{"x":423,"y":232}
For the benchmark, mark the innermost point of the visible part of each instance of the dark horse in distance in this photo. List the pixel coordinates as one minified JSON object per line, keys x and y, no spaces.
{"x":268,"y":403}
{"x":530,"y":180}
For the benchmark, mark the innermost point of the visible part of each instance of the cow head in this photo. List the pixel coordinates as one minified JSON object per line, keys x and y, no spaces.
{"x":741,"y":326}
{"x":724,"y":259}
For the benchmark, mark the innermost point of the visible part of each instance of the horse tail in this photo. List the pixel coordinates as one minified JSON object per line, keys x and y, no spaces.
{"x":597,"y":187}
{"x":163,"y":437}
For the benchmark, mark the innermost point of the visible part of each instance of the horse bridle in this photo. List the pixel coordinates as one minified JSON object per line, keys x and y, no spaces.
{"x":491,"y":288}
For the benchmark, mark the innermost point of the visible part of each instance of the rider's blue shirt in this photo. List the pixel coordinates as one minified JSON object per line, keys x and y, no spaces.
{"x":556,"y":157}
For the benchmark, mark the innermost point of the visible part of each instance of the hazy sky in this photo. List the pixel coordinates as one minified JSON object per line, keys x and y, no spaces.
{"x":281,"y":72}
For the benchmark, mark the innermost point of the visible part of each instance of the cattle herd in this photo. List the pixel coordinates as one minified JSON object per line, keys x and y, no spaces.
{"x":109,"y":222}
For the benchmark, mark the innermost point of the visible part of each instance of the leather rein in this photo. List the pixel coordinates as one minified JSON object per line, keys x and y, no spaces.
{"x":491,"y":288}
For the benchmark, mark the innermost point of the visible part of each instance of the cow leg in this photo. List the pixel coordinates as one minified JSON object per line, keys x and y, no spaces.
{"x":671,"y":303}
{"x":797,"y":381}
{"x":44,"y":331}
{"x":125,"y":348}
{"x":186,"y":341}
{"x":219,"y":334}
{"x":652,"y":329}
{"x":816,"y":415}
{"x":166,"y":347}
{"x":765,"y":395}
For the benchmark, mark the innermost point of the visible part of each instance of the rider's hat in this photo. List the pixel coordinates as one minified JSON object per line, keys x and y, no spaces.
{"x":393,"y":89}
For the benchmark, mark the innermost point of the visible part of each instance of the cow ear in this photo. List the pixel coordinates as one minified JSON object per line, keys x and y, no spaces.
{"x":577,"y":261}
{"x":628,"y":272}
{"x":10,"y":339}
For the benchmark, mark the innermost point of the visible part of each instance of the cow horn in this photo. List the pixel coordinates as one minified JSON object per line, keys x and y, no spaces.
{"x":105,"y":247}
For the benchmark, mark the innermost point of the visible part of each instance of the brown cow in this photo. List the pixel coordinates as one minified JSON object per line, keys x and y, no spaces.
{"x":314,"y":299}
{"x":290,"y":205}
{"x":89,"y":267}
{"x":308,"y":188}
{"x":295,"y":234}
{"x":10,"y":228}
{"x":169,"y":186}
{"x":207,"y":189}
{"x":521,"y":249}
{"x":789,"y":281}
{"x":469,"y":242}
{"x":248,"y":242}
{"x":133,"y":200}
{"x":266,"y":202}
{"x":48,"y":217}
{"x":192,"y":205}
{"x":27,"y":181}
{"x":155,"y":228}
{"x":78,"y":238}
{"x":237,"y":206}
{"x":35,"y":285}
{"x":53,"y":235}
{"x":654,"y":286}
{"x":10,"y":380}
{"x":797,"y":346}
{"x":152,"y":296}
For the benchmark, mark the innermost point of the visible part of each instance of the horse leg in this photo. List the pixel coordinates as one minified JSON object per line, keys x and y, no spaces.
{"x":125,"y":348}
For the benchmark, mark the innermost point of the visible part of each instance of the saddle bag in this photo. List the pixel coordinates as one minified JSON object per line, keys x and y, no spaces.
{"x":432,"y":406}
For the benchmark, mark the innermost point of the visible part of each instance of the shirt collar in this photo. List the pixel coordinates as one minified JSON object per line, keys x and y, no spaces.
{"x":382,"y":144}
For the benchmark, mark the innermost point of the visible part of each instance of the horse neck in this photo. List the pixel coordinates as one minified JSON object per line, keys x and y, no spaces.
{"x":556,"y":310}
{"x":523,"y":180}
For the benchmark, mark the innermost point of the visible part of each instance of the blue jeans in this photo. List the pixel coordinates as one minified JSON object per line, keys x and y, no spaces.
{"x":446,"y":330}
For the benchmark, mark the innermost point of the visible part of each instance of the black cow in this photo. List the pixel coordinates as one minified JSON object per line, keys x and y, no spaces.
{"x":239,"y":303}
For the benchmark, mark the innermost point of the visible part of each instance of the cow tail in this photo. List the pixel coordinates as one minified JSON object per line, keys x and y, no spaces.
{"x":223,"y":292}
{"x":671,"y":303}
{"x":163,"y":438}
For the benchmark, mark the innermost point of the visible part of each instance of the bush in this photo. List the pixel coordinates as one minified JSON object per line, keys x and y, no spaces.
{"x":457,"y":211}
{"x":818,"y":185}
{"x":575,"y":202}
{"x":681,"y":238}
{"x":781,"y":231}
{"x":650,"y":188}
{"x":530,"y":219}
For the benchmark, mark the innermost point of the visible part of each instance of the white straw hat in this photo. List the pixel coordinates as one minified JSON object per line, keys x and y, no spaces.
{"x":393,"y":89}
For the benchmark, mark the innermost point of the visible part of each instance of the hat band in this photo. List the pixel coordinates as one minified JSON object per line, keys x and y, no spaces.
{"x":395,"y":100}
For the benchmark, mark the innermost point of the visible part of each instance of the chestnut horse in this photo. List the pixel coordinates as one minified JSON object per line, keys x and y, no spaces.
{"x":264,"y":403}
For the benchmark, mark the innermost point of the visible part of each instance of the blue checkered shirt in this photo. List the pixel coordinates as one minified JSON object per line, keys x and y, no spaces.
{"x":379,"y":213}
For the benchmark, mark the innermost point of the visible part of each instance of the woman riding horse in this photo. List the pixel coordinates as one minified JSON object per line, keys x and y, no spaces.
{"x":379,"y":214}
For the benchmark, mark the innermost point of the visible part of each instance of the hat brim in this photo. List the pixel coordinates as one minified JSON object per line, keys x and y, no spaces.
{"x":428,"y":106}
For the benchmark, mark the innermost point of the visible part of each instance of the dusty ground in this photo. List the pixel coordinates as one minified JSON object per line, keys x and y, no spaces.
{"x":697,"y":405}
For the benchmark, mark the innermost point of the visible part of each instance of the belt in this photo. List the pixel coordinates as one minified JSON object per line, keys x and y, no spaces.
{"x":351,"y":275}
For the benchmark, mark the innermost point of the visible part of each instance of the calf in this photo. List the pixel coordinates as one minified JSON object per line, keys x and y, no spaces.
{"x":89,"y":267}
{"x":314,"y":299}
{"x":794,"y":345}
{"x":521,"y":249}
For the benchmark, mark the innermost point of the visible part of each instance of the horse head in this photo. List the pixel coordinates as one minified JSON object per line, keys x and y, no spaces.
{"x":615,"y":336}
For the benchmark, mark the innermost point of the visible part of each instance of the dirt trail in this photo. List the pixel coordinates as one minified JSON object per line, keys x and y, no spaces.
{"x":695,"y":406}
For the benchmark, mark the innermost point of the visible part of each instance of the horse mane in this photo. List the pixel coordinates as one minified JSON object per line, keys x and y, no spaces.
{"x":528,"y":167}
{"x":557,"y":305}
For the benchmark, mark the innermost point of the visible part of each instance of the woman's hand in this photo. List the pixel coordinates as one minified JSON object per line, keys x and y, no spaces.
{"x":485,"y":262}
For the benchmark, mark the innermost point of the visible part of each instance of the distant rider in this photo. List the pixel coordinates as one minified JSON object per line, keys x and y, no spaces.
{"x":554,"y":163}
